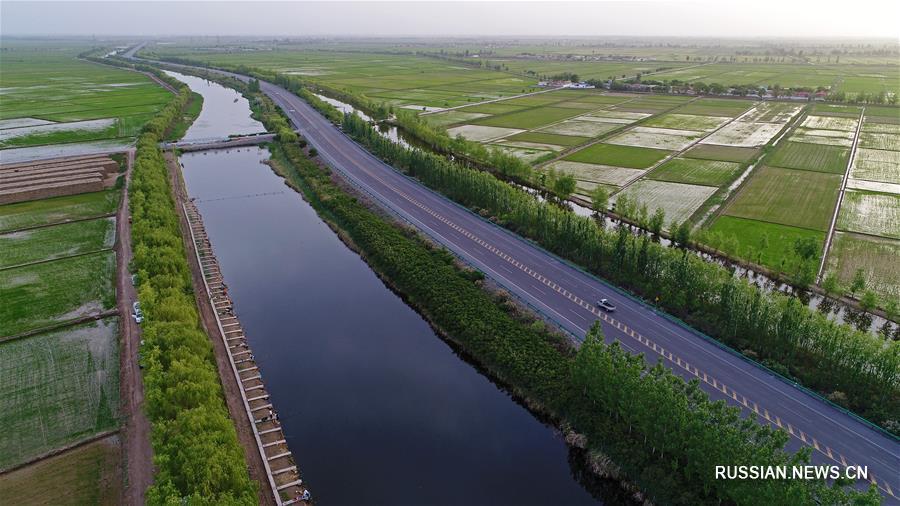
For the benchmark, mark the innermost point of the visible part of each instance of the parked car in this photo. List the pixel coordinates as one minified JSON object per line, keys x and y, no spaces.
{"x":138,"y":315}
{"x":606,"y":305}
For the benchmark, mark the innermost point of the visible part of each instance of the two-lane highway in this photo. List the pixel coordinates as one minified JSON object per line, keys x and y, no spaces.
{"x":569,"y":296}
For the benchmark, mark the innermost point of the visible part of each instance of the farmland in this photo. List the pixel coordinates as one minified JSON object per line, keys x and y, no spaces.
{"x":90,"y":474}
{"x":871,"y":213}
{"x":868,"y":223}
{"x":769,"y":244}
{"x":50,"y":97}
{"x":677,"y":200}
{"x":619,"y":156}
{"x":692,"y":171}
{"x":618,"y":140}
{"x":58,"y":387}
{"x":709,"y":157}
{"x":49,"y":243}
{"x":39,"y":295}
{"x":54,"y":210}
{"x":876,"y":256}
{"x":788,"y":197}
{"x":59,"y":337}
{"x":400,"y":80}
{"x":796,"y":155}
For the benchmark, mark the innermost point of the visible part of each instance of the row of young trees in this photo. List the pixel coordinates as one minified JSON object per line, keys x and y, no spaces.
{"x":785,"y":334}
{"x":604,"y":392}
{"x":668,"y":417}
{"x":197,"y":456}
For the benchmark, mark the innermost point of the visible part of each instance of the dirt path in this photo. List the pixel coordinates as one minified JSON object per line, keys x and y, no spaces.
{"x":208,"y":320}
{"x":136,"y":441}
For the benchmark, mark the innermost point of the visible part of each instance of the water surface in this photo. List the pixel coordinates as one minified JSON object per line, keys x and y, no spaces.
{"x":375,"y":406}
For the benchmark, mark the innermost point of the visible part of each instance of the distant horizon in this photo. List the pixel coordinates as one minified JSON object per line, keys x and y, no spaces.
{"x":804,"y":19}
{"x":478,"y":37}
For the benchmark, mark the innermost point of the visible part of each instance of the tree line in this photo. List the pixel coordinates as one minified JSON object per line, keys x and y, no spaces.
{"x":774,"y":328}
{"x":196,"y":453}
{"x":663,"y":433}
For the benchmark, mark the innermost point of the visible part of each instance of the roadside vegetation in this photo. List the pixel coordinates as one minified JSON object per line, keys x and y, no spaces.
{"x":773,"y":328}
{"x":196,"y":452}
{"x":856,"y":369}
{"x":662,"y":433}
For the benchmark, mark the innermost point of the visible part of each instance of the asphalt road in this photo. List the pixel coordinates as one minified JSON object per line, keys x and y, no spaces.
{"x":568,"y":296}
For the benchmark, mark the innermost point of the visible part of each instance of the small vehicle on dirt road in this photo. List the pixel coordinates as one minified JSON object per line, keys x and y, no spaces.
{"x":138,"y":315}
{"x":606,"y":305}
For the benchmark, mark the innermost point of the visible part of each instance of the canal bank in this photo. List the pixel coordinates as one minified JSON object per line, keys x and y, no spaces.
{"x":377,"y":407}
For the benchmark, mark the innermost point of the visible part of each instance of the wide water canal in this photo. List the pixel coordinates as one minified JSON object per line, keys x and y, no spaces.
{"x":375,"y":406}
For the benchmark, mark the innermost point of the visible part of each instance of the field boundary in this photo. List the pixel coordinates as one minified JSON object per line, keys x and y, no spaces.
{"x":837,"y":206}
{"x":606,"y":135}
{"x":60,"y":450}
{"x":748,"y":173}
{"x":55,"y":223}
{"x":61,"y":325}
{"x":48,"y":260}
{"x":676,"y":154}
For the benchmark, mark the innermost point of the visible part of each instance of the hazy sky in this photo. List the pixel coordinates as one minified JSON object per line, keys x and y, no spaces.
{"x":747,"y":18}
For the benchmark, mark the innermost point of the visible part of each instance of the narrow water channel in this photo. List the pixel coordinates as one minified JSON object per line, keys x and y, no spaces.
{"x":375,"y":406}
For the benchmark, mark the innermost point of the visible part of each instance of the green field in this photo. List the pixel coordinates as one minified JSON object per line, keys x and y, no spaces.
{"x":797,"y":198}
{"x":398,"y":79}
{"x":49,"y":83}
{"x":443,"y":119}
{"x":817,"y":157}
{"x":716,"y":107}
{"x":685,"y":121}
{"x":529,"y":118}
{"x":876,"y":256}
{"x":850,"y":79}
{"x":39,"y":295}
{"x":765,"y":243}
{"x":43,"y":212}
{"x":841,"y":111}
{"x":545,"y":138}
{"x":494,"y":108}
{"x":652,"y":104}
{"x":702,"y":172}
{"x":89,"y":474}
{"x":724,"y":153}
{"x":56,"y":241}
{"x":56,"y":388}
{"x":618,"y":156}
{"x":870,"y":213}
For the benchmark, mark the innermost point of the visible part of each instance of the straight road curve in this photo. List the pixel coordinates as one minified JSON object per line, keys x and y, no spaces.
{"x":568,"y":296}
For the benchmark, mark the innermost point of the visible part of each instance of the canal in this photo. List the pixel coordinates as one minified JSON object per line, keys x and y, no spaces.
{"x":375,"y":406}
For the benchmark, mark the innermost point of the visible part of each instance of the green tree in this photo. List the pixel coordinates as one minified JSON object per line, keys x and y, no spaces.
{"x":868,"y":301}
{"x":806,"y":248}
{"x":858,"y":283}
{"x":600,"y":199}
{"x":681,"y":234}
{"x":564,"y":186}
{"x":831,"y":285}
{"x":657,"y":221}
